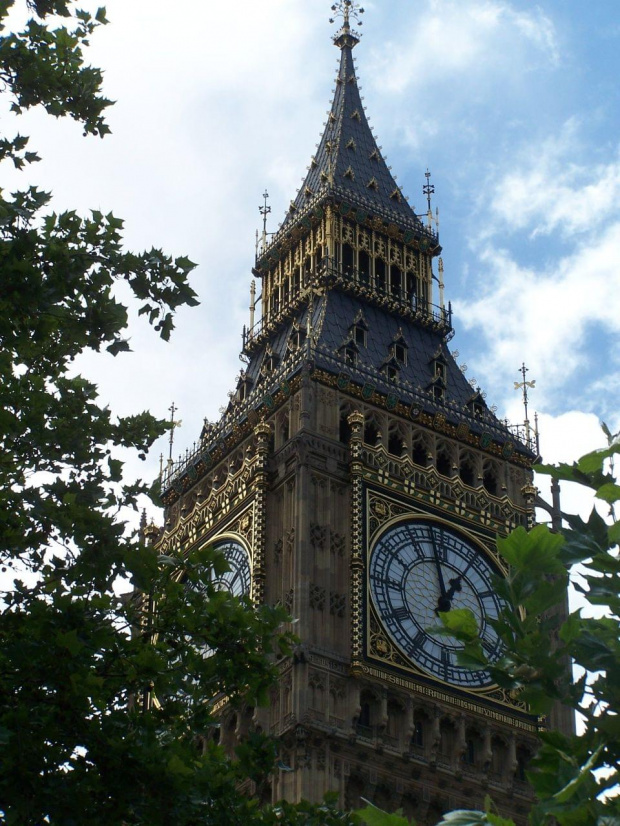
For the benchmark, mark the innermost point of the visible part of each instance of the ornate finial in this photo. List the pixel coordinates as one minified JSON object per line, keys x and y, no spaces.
{"x":173,"y":425}
{"x":523,"y":385}
{"x":428,"y":189}
{"x":264,"y":211}
{"x":348,"y":10}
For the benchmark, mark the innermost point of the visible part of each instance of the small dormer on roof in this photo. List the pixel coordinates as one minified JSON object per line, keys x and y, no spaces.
{"x":477,"y":405}
{"x":270,"y":360}
{"x":399,"y":348}
{"x":244,"y":386}
{"x":297,"y":336}
{"x":359,"y":329}
{"x":439,"y":365}
{"x":349,"y":351}
{"x":392,"y":367}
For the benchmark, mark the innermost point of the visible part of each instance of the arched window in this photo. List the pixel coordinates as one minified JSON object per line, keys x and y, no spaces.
{"x":490,"y":478}
{"x":348,"y":259}
{"x":364,"y":267}
{"x":444,"y":462}
{"x":380,"y":275}
{"x":467,"y":471}
{"x":396,"y":443}
{"x":371,"y":433}
{"x":395,"y":281}
{"x":420,"y":453}
{"x":345,"y":427}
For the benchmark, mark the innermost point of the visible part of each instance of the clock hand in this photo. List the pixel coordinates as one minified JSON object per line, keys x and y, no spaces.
{"x":455,"y":584}
{"x":443,"y":603}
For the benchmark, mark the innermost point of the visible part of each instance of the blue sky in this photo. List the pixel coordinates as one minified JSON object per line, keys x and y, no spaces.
{"x":513,"y":105}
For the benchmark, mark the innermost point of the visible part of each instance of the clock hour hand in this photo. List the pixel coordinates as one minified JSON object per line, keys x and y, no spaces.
{"x":455,"y":587}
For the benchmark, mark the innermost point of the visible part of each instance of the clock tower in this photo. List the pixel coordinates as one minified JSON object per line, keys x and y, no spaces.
{"x":359,"y":480}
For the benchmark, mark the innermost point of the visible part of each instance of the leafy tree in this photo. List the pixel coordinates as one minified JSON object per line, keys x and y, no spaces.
{"x":79,"y":663}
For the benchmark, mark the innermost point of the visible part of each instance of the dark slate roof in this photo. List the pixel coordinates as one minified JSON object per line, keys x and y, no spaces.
{"x":334,"y":316}
{"x":348,"y":162}
{"x":423,"y":347}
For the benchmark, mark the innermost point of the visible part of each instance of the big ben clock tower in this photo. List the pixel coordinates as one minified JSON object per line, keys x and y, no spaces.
{"x":359,"y":480}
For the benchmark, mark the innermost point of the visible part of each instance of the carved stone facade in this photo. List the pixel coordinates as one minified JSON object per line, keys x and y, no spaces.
{"x":352,"y":416}
{"x":359,"y":724}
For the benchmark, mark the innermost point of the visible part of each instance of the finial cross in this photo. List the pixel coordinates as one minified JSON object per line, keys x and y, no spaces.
{"x":523,"y":385}
{"x":428,"y":189}
{"x":264,"y":211}
{"x":173,"y":425}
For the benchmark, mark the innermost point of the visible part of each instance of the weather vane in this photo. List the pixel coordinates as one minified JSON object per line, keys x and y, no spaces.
{"x":347,"y":9}
{"x":523,"y":385}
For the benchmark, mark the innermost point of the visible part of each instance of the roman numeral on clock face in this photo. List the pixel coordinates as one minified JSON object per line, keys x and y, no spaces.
{"x":401,"y":613}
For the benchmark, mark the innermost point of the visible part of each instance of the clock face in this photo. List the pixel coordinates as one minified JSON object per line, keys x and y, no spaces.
{"x":237,"y":579}
{"x":418,"y":568}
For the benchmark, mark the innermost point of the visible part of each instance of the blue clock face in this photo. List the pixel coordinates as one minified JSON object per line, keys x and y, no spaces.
{"x":418,"y":568}
{"x":237,"y":579}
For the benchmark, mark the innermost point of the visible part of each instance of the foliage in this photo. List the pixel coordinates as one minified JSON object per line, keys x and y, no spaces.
{"x":575,"y":778}
{"x":78,"y":662}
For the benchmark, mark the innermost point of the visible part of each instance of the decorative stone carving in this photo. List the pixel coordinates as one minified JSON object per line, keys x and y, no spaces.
{"x":290,"y":540}
{"x":337,"y":604}
{"x":288,"y":600}
{"x":277,"y":551}
{"x":317,"y":536}
{"x":337,"y":544}
{"x":317,"y":597}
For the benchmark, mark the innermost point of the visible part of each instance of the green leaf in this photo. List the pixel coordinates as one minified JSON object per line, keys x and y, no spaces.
{"x":372,"y":816}
{"x":464,"y":817}
{"x":460,"y":621}
{"x":70,"y":641}
{"x":535,"y":552}
{"x":594,"y":461}
{"x":585,"y":773}
{"x":609,"y":492}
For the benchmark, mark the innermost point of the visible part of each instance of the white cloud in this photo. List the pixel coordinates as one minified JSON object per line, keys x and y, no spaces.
{"x":542,"y":316}
{"x":550,"y":191}
{"x":464,"y":42}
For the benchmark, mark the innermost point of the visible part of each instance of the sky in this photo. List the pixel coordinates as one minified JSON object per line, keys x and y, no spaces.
{"x":514,"y":106}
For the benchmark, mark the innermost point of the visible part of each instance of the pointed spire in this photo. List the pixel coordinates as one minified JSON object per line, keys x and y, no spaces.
{"x":348,"y":164}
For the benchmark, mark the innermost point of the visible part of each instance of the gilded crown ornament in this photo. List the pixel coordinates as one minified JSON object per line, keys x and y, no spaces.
{"x":348,"y":10}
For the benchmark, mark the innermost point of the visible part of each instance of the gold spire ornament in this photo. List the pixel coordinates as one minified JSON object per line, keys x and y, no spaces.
{"x":348,"y":10}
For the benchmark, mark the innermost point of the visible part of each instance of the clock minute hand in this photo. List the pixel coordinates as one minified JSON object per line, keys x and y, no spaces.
{"x":443,"y":603}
